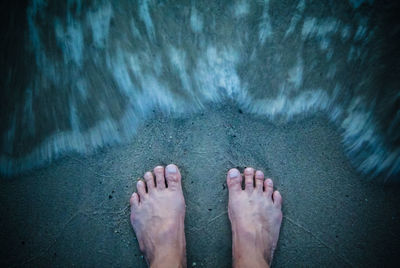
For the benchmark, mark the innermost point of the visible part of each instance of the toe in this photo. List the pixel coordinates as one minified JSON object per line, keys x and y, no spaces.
{"x":234,"y":180}
{"x":148,"y":177}
{"x":277,"y":199}
{"x":134,"y":201}
{"x":160,"y":179}
{"x":259,"y":180}
{"x":249,"y":179}
{"x":141,"y":188}
{"x":268,"y":187}
{"x":173,"y":176}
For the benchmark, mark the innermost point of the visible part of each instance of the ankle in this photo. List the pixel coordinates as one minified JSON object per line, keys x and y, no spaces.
{"x":247,"y":256}
{"x":247,"y":252}
{"x":250,"y":263}
{"x":169,"y":255}
{"x":167,"y":260}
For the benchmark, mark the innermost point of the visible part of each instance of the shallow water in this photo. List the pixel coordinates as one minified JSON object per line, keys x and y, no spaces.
{"x":82,"y":75}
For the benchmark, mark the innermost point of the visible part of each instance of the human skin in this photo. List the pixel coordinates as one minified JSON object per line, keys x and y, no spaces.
{"x":158,"y":213}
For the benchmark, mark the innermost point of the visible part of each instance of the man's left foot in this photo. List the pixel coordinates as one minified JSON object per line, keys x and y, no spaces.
{"x":157,"y":217}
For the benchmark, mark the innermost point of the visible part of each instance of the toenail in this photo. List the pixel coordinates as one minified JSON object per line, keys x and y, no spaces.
{"x":269,"y":182}
{"x":248,"y":171}
{"x":171,"y":169}
{"x":234,"y":173}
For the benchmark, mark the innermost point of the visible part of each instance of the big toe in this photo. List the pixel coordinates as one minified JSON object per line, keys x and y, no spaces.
{"x":173,"y":176}
{"x":234,"y":180}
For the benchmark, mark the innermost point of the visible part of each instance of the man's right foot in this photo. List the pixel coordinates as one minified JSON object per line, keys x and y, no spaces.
{"x":255,"y":214}
{"x":157,"y":217}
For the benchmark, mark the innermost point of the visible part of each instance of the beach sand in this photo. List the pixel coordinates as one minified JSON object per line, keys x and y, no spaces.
{"x":75,"y":212}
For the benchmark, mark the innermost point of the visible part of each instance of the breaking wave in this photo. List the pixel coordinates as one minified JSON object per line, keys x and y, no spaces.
{"x":80,"y":75}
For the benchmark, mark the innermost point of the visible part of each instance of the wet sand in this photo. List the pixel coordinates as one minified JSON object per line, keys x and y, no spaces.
{"x":75,"y":212}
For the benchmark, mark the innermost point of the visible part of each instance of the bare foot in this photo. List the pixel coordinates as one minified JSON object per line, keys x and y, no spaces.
{"x":256,"y":216}
{"x":157,"y":217}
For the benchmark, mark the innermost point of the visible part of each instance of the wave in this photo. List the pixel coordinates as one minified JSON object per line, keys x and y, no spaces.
{"x":82,"y":75}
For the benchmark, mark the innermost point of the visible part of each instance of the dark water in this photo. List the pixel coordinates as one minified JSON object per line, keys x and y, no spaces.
{"x":80,"y":75}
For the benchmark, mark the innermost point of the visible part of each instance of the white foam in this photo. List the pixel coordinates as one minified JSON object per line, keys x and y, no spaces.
{"x":241,"y":8}
{"x":331,"y":71}
{"x":216,"y":73}
{"x":196,"y":21}
{"x":81,"y":87}
{"x":144,"y":14}
{"x":178,"y":60}
{"x":312,"y":27}
{"x":296,"y":17}
{"x":296,"y":73}
{"x":364,"y":142}
{"x":306,"y":102}
{"x":264,"y":28}
{"x":134,"y":29}
{"x":345,"y":34}
{"x":208,"y":72}
{"x":361,"y":32}
{"x":70,"y":40}
{"x":73,"y":116}
{"x":99,"y":20}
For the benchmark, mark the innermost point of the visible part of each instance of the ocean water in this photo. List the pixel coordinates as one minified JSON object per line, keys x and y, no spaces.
{"x":81,"y":75}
